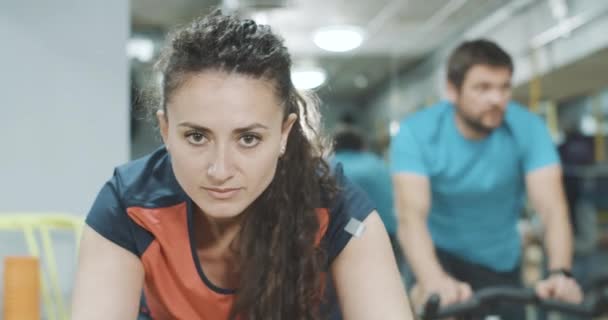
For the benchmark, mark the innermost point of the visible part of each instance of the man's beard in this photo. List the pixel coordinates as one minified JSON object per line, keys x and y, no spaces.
{"x":474,"y":124}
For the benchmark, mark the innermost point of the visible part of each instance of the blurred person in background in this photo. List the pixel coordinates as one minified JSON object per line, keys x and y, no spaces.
{"x":370,"y":172}
{"x":577,"y":154}
{"x":461,"y":169}
{"x":237,"y":215}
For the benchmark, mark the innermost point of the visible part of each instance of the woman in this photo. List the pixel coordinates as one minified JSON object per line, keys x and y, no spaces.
{"x":237,"y":216}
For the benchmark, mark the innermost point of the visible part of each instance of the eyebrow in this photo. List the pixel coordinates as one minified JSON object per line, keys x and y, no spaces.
{"x":237,"y":130}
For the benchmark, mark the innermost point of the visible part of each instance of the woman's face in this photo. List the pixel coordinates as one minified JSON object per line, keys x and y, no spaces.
{"x":224,"y":132}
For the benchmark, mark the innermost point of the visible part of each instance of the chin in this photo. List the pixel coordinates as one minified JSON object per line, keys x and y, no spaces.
{"x":223,"y":210}
{"x":491,"y":125}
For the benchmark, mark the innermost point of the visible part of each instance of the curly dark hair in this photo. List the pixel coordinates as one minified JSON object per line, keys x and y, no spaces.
{"x":280,"y":263}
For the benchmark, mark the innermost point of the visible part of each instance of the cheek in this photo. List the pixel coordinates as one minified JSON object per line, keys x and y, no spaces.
{"x":261,"y":169}
{"x":475,"y":104}
{"x":187,"y":167}
{"x":474,"y":99}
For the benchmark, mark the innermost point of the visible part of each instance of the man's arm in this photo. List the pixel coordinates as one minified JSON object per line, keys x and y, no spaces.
{"x":412,"y":197}
{"x":413,"y":200}
{"x":546,"y":192}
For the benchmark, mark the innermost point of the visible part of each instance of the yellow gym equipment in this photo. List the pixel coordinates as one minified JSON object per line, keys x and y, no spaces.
{"x":41,"y":224}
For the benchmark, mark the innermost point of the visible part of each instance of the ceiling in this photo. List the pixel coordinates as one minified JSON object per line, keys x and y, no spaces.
{"x":585,"y":76}
{"x":398,"y":32}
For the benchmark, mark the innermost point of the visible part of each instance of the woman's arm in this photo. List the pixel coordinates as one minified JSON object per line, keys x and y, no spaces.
{"x":366,"y":277}
{"x":108,"y":281}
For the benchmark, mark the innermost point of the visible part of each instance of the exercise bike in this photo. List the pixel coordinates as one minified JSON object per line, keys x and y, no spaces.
{"x":483,"y":301}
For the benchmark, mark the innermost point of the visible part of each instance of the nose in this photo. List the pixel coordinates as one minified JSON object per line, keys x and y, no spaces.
{"x":497,"y":97}
{"x":220,"y":167}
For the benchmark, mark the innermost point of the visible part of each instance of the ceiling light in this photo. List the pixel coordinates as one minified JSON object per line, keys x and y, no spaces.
{"x":260,"y":17}
{"x":559,"y":9}
{"x":338,"y":38}
{"x":308,"y":78}
{"x":140,"y":49}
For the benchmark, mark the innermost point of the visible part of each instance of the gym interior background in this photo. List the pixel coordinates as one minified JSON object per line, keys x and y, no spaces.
{"x":75,"y":73}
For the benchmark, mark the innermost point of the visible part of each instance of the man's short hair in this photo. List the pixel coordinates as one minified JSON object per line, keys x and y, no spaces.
{"x":475,"y":52}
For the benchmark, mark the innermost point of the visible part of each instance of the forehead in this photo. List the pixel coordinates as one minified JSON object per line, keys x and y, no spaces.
{"x":216,"y":96}
{"x":485,"y":72}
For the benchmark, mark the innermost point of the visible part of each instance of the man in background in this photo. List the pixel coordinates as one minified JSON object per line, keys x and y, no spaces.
{"x":461,"y":170}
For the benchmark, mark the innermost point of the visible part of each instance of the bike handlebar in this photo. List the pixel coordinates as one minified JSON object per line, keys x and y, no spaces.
{"x":482,"y":299}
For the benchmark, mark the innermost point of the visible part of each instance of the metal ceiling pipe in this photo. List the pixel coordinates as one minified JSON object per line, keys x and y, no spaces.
{"x":247,"y":5}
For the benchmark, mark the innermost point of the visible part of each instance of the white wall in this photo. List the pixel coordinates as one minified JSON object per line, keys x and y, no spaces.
{"x":64,"y":101}
{"x":63,"y":108}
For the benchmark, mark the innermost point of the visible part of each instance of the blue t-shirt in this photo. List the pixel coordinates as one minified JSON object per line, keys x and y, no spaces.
{"x":477,"y":186}
{"x":369,"y":172}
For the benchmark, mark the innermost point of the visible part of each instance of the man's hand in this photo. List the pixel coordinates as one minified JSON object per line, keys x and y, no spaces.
{"x":559,"y":287}
{"x":449,"y":290}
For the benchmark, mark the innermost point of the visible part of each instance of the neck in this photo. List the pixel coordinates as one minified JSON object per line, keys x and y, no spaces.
{"x":467,"y":130}
{"x":217,"y":234}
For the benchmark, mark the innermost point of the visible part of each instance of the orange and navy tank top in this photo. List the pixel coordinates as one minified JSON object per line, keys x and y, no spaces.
{"x":143,"y":209}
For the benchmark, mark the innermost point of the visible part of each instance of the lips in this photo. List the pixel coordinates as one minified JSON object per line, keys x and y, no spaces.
{"x":222,"y":193}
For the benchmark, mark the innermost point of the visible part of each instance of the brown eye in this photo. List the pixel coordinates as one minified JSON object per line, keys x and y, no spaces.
{"x":249,"y":140}
{"x":196,"y":138}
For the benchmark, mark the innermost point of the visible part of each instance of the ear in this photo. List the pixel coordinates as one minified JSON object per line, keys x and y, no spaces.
{"x":287,"y":125}
{"x":164,"y":126}
{"x":452,"y":92}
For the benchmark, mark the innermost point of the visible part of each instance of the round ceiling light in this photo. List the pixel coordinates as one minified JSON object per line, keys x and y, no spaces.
{"x":338,"y":38}
{"x":307,"y":78}
{"x":141,"y":49}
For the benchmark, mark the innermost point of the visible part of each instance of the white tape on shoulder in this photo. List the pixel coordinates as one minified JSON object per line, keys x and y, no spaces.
{"x":355,"y":227}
